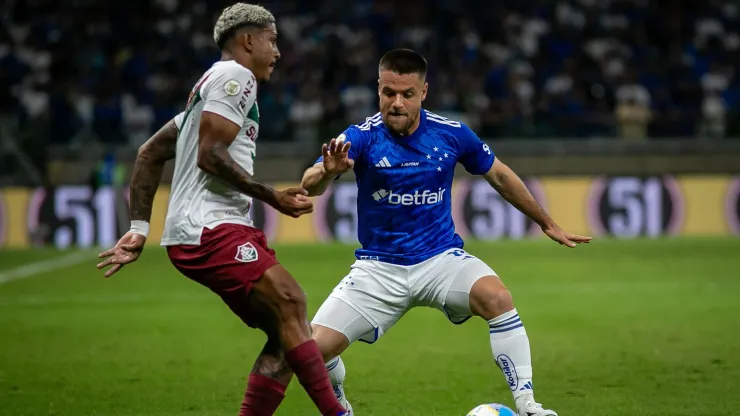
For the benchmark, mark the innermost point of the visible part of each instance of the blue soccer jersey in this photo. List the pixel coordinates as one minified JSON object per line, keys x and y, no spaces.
{"x":404,"y":185}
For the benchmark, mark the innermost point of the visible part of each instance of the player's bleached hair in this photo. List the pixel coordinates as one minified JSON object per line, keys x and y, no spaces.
{"x":238,"y":16}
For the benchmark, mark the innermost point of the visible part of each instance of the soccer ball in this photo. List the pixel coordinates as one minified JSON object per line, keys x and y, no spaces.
{"x":491,"y":409}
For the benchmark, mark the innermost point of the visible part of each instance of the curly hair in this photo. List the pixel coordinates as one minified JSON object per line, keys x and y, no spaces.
{"x":238,"y":16}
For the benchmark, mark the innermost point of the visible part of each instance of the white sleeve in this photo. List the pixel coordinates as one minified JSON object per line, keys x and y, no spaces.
{"x":231,"y":93}
{"x":179,"y":119}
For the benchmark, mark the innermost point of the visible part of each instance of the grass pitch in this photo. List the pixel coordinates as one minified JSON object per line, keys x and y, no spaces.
{"x":617,"y":328}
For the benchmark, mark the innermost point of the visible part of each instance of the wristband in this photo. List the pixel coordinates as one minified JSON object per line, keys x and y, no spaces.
{"x":140,"y":227}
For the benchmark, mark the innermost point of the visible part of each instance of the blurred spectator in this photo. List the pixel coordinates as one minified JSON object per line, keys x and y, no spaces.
{"x":633,"y":117}
{"x":306,"y":112}
{"x":108,"y":172}
{"x":510,"y":68}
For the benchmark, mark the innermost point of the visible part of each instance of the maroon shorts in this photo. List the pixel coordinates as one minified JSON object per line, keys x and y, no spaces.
{"x":230,"y":259}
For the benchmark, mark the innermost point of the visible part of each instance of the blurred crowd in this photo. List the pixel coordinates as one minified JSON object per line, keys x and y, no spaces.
{"x":631,"y":69}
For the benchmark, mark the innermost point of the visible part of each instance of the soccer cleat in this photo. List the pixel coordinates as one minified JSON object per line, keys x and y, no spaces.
{"x":339,"y":392}
{"x":347,"y":406}
{"x":526,"y":406}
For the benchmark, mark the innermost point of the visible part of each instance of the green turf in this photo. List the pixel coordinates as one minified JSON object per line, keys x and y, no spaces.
{"x":617,"y":328}
{"x":10,"y":259}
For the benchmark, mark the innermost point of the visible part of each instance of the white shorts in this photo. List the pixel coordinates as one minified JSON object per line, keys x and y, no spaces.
{"x":375,"y":295}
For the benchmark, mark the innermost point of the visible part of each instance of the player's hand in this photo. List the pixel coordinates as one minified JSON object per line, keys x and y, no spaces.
{"x":293,"y":202}
{"x":567,"y":239}
{"x":127,"y":250}
{"x":336,"y":157}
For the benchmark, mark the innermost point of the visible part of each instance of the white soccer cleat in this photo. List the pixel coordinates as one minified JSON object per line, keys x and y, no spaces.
{"x":339,"y":392}
{"x":526,"y":406}
{"x":347,"y":406}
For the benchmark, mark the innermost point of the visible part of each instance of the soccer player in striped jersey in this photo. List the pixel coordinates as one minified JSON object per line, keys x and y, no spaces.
{"x":404,"y":160}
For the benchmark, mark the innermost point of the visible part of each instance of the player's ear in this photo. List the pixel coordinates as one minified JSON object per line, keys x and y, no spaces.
{"x":424,"y":91}
{"x":247,"y":39}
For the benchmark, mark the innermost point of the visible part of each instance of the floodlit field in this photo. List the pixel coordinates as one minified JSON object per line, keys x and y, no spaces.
{"x":617,"y":328}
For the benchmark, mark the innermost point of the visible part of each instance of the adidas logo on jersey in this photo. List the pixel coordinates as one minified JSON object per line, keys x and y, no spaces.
{"x":384,"y":163}
{"x":425,"y":197}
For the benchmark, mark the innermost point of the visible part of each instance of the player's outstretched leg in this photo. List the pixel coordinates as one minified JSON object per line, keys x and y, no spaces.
{"x":332,"y":343}
{"x":269,"y":378}
{"x":282,"y":294}
{"x":490,"y":300}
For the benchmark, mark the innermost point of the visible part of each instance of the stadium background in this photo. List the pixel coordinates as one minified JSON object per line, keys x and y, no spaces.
{"x":622,"y":115}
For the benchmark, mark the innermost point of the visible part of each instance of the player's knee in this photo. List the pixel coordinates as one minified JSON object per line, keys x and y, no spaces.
{"x":327,"y":352}
{"x":491,"y":300}
{"x":331,"y":343}
{"x":496,"y":303}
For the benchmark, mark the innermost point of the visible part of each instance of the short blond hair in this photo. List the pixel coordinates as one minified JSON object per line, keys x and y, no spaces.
{"x":237,"y":16}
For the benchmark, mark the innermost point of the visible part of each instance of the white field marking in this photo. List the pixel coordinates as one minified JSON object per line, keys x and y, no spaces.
{"x":106,"y":299}
{"x":45,"y":266}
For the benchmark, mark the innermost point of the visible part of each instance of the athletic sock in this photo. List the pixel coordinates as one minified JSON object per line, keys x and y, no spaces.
{"x":510,"y":346}
{"x":263,"y":396}
{"x":337,"y":372}
{"x":307,"y":363}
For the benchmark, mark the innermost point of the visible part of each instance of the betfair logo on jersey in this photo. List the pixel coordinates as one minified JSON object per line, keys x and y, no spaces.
{"x":425,"y":197}
{"x":380,"y":194}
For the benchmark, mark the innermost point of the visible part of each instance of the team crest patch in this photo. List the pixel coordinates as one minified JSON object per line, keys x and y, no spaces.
{"x":246,"y":253}
{"x":232,"y":87}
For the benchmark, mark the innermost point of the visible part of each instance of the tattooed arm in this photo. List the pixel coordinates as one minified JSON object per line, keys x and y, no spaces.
{"x":144,"y":183}
{"x":512,"y":189}
{"x":215,"y":136}
{"x":148,"y":170}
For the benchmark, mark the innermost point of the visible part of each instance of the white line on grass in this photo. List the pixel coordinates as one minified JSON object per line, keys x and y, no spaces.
{"x":107,"y":299}
{"x":45,"y":266}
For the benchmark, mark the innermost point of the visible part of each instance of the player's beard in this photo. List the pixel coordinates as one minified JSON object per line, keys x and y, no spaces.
{"x":402,"y":130}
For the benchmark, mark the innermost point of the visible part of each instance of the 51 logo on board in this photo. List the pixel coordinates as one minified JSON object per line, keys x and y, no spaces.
{"x":629,"y":207}
{"x":480,"y":212}
{"x":78,"y":216}
{"x":82,"y":217}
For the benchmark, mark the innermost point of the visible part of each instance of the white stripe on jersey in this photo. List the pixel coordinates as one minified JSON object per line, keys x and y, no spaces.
{"x":371,"y":121}
{"x":377,"y":119}
{"x":366,"y":127}
{"x":441,"y":120}
{"x":429,"y":113}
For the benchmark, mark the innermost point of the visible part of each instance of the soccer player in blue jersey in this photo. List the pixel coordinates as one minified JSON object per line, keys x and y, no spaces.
{"x":404,"y":159}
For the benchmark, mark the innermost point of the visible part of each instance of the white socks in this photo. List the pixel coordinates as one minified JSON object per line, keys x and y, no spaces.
{"x":510,"y":346}
{"x":337,"y":372}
